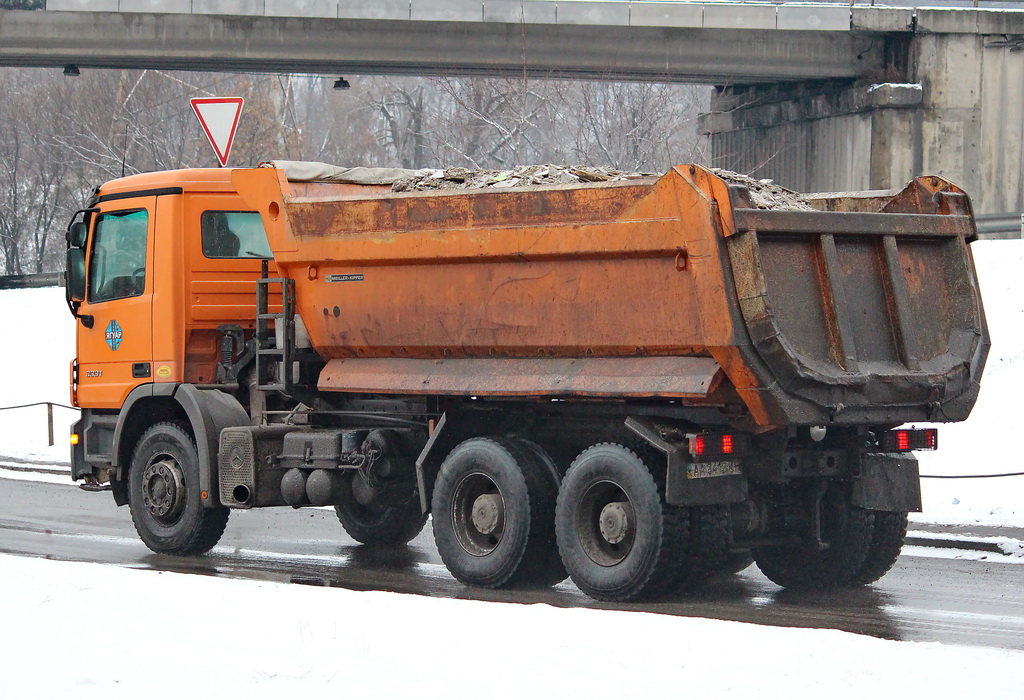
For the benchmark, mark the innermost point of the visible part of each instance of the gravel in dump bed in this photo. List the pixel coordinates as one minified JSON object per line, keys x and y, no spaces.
{"x":763,"y":193}
{"x":524,"y":176}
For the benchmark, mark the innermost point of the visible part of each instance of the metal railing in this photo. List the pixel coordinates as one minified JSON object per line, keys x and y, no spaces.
{"x":49,"y":413}
{"x":43,"y":279}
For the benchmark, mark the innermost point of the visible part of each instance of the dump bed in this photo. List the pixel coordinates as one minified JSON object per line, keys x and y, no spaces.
{"x":856,"y":308}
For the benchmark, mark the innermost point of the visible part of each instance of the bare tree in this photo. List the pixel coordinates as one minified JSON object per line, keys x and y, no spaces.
{"x":60,"y":137}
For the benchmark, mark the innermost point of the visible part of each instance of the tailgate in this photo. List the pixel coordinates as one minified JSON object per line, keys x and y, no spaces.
{"x":872,"y":316}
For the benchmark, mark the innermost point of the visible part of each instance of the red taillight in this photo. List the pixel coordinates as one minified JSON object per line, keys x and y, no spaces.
{"x":912,"y":439}
{"x":711,"y":446}
{"x":698,"y":445}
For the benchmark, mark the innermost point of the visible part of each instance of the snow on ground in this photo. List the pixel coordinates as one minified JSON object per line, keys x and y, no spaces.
{"x":34,"y":367}
{"x":88,"y":631}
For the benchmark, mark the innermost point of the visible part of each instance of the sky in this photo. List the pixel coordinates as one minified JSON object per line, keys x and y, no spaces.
{"x":79,"y":630}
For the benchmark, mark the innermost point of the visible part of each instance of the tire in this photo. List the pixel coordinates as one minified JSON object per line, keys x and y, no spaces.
{"x":737,"y":561}
{"x":163,"y":493}
{"x":383,"y":524}
{"x":886,"y":543}
{"x":846,"y":529}
{"x":710,"y":542}
{"x":493,"y":509}
{"x":542,"y":564}
{"x":617,"y":536}
{"x":380,"y":525}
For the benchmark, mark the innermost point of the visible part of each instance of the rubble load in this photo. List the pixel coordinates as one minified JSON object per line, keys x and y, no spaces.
{"x":523,"y":176}
{"x":765,"y":194}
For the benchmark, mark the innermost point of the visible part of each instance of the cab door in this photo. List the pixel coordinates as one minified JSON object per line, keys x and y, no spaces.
{"x":115,"y":337}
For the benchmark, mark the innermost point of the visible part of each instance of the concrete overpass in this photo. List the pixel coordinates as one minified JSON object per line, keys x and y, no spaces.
{"x":710,"y":42}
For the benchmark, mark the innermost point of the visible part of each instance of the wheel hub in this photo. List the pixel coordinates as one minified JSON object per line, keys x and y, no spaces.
{"x":487,"y":512}
{"x":478,"y":514}
{"x":606,"y":523}
{"x":615,"y":522}
{"x":163,"y":490}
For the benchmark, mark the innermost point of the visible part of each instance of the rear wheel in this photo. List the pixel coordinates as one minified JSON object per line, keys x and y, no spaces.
{"x":847,"y":532}
{"x":617,"y":536}
{"x":493,"y":508}
{"x":737,"y":561}
{"x":887,"y":537}
{"x":710,"y":542}
{"x":163,"y":493}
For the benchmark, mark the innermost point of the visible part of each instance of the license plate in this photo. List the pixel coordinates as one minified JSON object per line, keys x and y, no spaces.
{"x":703,"y":470}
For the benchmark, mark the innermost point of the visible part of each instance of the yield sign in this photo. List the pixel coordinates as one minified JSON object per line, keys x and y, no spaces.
{"x":219,"y":119}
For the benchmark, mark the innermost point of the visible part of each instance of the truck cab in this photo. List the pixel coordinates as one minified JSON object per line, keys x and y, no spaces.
{"x":170,"y":260}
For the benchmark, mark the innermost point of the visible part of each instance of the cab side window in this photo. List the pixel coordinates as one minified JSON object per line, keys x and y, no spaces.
{"x":117,"y":266}
{"x":234,"y":234}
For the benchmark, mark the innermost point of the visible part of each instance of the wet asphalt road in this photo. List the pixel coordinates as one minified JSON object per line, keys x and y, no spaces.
{"x":977,"y":603}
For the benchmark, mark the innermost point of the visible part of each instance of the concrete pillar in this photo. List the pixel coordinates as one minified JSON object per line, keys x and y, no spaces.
{"x":817,"y":137}
{"x":955,"y":109}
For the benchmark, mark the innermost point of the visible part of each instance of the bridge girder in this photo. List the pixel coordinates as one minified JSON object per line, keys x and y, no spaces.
{"x":432,"y":48}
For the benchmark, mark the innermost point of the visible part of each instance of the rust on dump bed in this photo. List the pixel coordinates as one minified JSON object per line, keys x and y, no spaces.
{"x":627,"y":377}
{"x":821,"y":315}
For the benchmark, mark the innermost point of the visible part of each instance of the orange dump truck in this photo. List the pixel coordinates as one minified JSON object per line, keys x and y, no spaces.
{"x":634,"y":383}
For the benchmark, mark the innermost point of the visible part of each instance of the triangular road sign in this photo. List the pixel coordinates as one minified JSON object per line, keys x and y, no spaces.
{"x":219,"y":119}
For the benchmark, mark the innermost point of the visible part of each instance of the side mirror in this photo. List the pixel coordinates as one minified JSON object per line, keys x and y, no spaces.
{"x":77,"y":234}
{"x":75,"y":274}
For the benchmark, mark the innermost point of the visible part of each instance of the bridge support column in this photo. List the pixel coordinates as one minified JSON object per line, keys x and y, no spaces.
{"x":956,"y":110}
{"x":818,"y":136}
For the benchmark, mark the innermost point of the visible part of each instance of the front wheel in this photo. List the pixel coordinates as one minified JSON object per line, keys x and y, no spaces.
{"x":163,"y":494}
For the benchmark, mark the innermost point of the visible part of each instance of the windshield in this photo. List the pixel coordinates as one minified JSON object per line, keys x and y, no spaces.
{"x":117,"y":267}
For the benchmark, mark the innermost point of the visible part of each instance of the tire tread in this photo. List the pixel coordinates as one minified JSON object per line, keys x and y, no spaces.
{"x":209,"y":523}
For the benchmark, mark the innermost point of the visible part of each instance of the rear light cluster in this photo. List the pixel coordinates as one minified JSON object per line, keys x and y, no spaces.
{"x":907,"y":440}
{"x":706,"y":445}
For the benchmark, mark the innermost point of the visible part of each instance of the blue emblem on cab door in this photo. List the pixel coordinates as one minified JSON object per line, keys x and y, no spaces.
{"x":114,"y":335}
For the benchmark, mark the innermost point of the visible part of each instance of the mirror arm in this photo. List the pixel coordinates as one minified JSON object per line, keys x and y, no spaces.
{"x":88,"y":320}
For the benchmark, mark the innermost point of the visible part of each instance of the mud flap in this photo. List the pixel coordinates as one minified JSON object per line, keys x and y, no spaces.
{"x":888,"y":482}
{"x":209,"y":411}
{"x":683,"y":491}
{"x":450,"y":430}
